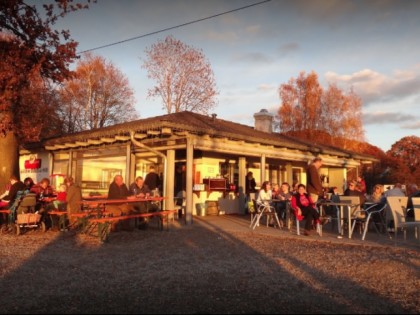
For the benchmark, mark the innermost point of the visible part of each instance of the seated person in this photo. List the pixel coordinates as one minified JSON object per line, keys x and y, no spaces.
{"x":353,"y":191}
{"x":29,"y":182}
{"x":285,"y":195}
{"x":377,"y":195}
{"x":304,"y":207}
{"x":395,"y":191}
{"x":118,"y":190}
{"x":334,"y":197}
{"x":41,"y":190}
{"x":265,"y":194}
{"x":139,"y":189}
{"x":9,"y":199}
{"x":60,"y":202}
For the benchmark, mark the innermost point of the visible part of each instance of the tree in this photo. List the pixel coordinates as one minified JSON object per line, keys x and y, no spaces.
{"x":309,"y":112}
{"x":185,"y":80}
{"x":98,"y":95}
{"x":29,"y":48}
{"x":404,"y":160}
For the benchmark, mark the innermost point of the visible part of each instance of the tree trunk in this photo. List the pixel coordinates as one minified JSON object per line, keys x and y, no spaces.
{"x":9,"y":159}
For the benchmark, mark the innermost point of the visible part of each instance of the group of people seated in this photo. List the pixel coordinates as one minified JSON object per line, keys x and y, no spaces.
{"x":281,"y":197}
{"x":379,"y":195}
{"x":67,"y":198}
{"x":68,"y":195}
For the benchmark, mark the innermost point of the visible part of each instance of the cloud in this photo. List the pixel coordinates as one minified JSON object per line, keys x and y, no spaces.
{"x":288,"y":48}
{"x":373,"y":86}
{"x":415,"y":125}
{"x":222,"y":36}
{"x":253,"y":57}
{"x":405,"y":121}
{"x":253,"y":29}
{"x":266,"y":87}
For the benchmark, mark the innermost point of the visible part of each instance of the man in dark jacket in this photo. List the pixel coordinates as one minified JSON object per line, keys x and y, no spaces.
{"x":152,"y":180}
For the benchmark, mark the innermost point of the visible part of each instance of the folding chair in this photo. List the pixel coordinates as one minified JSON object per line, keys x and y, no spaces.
{"x":364,"y":220}
{"x":266,"y":210}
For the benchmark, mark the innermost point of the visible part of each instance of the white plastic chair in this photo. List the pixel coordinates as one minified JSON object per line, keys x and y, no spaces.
{"x":399,"y":215}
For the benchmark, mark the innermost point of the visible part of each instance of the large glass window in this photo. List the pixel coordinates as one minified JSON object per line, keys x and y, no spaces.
{"x":94,"y":170}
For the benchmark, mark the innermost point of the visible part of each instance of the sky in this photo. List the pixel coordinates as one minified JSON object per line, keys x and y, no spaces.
{"x":370,"y":46}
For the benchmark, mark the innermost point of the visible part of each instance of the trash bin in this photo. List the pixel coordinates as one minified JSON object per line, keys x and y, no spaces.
{"x":200,"y":209}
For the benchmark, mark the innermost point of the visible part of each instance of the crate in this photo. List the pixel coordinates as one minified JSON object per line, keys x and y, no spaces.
{"x":28,"y":218}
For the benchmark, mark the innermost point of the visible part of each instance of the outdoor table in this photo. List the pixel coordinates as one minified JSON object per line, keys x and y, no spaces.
{"x":103,"y":222}
{"x":350,"y":207}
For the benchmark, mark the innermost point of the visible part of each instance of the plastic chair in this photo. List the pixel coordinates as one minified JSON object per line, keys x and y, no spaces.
{"x":399,"y":215}
{"x":374,"y":209}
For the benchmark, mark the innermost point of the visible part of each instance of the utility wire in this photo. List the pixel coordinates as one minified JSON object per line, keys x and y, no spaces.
{"x":174,"y":27}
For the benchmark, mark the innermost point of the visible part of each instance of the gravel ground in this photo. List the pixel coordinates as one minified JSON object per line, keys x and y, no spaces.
{"x":213,"y":266}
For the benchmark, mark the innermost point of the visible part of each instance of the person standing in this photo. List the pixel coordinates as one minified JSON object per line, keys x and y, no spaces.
{"x":152,"y":180}
{"x":180,"y":180}
{"x":313,"y":184}
{"x":250,"y":187}
{"x":73,"y":198}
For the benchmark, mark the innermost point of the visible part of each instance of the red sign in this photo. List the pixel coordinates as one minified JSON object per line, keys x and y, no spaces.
{"x":32,"y":164}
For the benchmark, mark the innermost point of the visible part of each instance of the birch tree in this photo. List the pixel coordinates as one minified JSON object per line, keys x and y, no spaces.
{"x":184,"y":78}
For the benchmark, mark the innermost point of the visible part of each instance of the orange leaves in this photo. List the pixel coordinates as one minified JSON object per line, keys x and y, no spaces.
{"x":306,"y":108}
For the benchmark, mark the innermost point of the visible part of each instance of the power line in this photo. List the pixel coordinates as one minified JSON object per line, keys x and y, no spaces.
{"x":174,"y":27}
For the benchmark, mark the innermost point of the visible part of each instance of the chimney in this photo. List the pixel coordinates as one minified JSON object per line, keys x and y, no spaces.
{"x":263,"y":121}
{"x":213,"y":116}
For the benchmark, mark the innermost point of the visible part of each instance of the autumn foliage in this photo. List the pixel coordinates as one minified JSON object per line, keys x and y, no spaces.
{"x":98,"y":95}
{"x":315,"y":114}
{"x":31,"y":52}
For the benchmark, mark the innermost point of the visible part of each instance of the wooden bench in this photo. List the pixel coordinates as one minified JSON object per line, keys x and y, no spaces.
{"x":62,"y":217}
{"x":104,"y":223}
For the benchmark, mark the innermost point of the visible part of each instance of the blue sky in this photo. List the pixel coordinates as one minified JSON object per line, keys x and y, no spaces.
{"x":372,"y":46}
